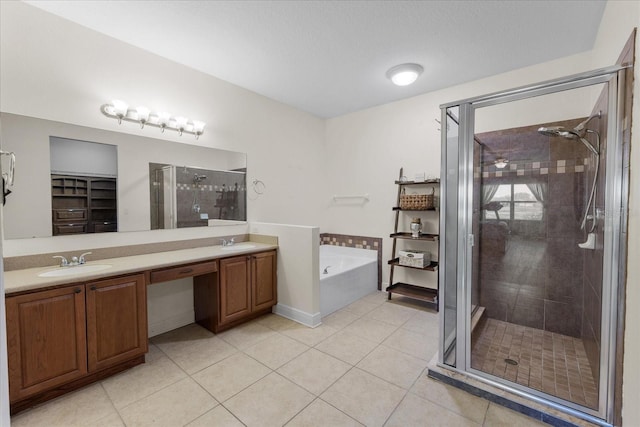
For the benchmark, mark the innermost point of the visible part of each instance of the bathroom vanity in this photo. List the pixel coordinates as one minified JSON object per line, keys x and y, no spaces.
{"x":67,"y":331}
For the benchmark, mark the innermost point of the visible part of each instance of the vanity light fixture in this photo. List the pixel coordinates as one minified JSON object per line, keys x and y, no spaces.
{"x":119,"y":110}
{"x":501,"y":162}
{"x":404,"y":74}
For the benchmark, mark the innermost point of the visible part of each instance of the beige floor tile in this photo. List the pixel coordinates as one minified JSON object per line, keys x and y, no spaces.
{"x":310,"y":336}
{"x":175,"y":405}
{"x":314,"y":370}
{"x":393,"y":366}
{"x":320,"y":413}
{"x":377,"y":297}
{"x":193,"y":348}
{"x":347,"y":347}
{"x":364,"y":397}
{"x":272,"y":401}
{"x":360,"y":308}
{"x":456,"y":400}
{"x":370,"y":329}
{"x":413,"y":343}
{"x":390,"y":313}
{"x":217,"y":417}
{"x":230,"y":376}
{"x":80,"y":408}
{"x":339,"y":319}
{"x":414,"y":411}
{"x":141,"y":381}
{"x":424,"y":322}
{"x":246,"y":335}
{"x":110,"y":421}
{"x":177,"y":337}
{"x":276,"y":351}
{"x":275,"y":322}
{"x":499,"y":416}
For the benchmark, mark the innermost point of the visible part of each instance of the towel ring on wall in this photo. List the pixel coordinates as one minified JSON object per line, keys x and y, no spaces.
{"x":258,"y":186}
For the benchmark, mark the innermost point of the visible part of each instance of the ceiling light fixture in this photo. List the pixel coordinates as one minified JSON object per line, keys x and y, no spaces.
{"x":119,"y":110}
{"x":501,"y":162}
{"x":404,"y":74}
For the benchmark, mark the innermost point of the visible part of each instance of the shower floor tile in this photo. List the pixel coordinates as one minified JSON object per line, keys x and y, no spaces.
{"x":553,"y":363}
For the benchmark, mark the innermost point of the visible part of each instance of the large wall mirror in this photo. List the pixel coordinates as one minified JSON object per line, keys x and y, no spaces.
{"x":29,"y":211}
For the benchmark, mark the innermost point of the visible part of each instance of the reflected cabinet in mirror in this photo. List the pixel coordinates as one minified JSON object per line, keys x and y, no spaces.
{"x":125,"y":192}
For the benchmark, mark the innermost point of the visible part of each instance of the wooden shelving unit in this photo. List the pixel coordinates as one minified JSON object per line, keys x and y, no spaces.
{"x":414,"y":291}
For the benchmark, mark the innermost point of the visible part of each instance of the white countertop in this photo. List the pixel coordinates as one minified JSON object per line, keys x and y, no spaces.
{"x":28,"y":279}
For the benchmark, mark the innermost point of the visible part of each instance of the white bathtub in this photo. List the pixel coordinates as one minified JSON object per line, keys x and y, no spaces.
{"x":351,"y":273}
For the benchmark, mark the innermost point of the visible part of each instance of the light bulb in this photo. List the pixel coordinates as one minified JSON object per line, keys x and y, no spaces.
{"x":163,"y":119}
{"x":143,"y":115}
{"x":120,"y":109}
{"x":198,"y":126}
{"x":181,"y":123}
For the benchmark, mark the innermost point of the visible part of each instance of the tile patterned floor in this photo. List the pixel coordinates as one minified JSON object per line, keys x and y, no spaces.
{"x":554,"y":363}
{"x":366,"y":365}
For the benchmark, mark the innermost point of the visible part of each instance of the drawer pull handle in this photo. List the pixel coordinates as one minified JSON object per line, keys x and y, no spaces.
{"x":77,"y":290}
{"x":93,"y":288}
{"x":187,"y":271}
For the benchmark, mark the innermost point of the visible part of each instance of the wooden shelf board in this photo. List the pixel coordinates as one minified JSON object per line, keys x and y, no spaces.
{"x":428,"y":181}
{"x":415,"y":292}
{"x":423,"y":236}
{"x":396,"y":208}
{"x":431,"y":267}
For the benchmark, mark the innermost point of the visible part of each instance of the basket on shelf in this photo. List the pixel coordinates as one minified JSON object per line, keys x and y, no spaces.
{"x":417,"y":201}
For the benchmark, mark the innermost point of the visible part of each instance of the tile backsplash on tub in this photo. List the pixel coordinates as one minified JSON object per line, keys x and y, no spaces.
{"x":360,"y":242}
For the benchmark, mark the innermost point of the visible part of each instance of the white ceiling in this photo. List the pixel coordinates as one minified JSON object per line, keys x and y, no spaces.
{"x":330,"y":57}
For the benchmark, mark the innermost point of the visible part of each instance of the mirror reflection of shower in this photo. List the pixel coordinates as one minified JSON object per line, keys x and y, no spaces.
{"x":197,"y":180}
{"x":579,"y":133}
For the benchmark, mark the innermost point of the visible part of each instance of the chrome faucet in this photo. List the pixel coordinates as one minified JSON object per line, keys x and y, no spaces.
{"x":74,"y":260}
{"x":229,"y":242}
{"x":63,"y":261}
{"x":326,"y":270}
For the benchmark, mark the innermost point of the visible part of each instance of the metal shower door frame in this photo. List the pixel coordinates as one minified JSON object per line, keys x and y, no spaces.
{"x":462,"y":191}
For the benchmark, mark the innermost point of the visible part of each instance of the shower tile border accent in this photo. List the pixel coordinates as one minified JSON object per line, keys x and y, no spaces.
{"x":533,"y":168}
{"x":360,"y":242}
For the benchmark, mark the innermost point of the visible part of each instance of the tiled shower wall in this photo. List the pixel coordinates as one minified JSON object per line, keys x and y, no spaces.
{"x":538,"y":280}
{"x":361,"y":242}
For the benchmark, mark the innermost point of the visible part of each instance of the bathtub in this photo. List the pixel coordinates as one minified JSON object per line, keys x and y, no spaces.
{"x":346,"y":275}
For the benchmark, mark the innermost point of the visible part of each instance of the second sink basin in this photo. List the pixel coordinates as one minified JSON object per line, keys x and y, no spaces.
{"x":76,"y":269}
{"x":238,"y":247}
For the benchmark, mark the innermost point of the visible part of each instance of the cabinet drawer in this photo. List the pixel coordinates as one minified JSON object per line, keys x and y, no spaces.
{"x":80,"y":227}
{"x":69,"y":215}
{"x":174,"y":273}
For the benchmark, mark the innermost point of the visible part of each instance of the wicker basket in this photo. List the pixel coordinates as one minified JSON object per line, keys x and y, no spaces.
{"x":417,"y":201}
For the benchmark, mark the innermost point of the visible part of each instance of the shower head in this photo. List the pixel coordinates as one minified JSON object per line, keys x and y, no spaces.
{"x":557,"y":131}
{"x":574,"y":134}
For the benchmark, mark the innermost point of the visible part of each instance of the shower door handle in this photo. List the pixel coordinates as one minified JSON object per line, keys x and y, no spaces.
{"x":471,"y":240}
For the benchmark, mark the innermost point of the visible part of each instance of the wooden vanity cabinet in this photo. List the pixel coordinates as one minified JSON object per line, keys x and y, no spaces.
{"x":46,"y":340}
{"x":116,"y":321}
{"x":74,"y":335}
{"x":247,"y":288}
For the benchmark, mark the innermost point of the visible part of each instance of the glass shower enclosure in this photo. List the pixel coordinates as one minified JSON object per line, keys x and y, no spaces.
{"x":532,"y":188}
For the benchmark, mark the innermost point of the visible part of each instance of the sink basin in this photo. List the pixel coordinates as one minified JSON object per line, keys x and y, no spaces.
{"x":238,"y":247}
{"x":77,"y":269}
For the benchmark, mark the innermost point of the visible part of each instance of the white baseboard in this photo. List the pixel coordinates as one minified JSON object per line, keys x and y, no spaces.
{"x":170,"y":323}
{"x":307,"y":319}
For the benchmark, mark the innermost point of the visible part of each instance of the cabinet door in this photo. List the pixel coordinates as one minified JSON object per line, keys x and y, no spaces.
{"x":116,"y":320}
{"x":263,"y":274}
{"x":235,"y":289}
{"x":46,"y":339}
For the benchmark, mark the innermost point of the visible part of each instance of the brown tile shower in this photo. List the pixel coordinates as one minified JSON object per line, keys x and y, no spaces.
{"x":553,"y":363}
